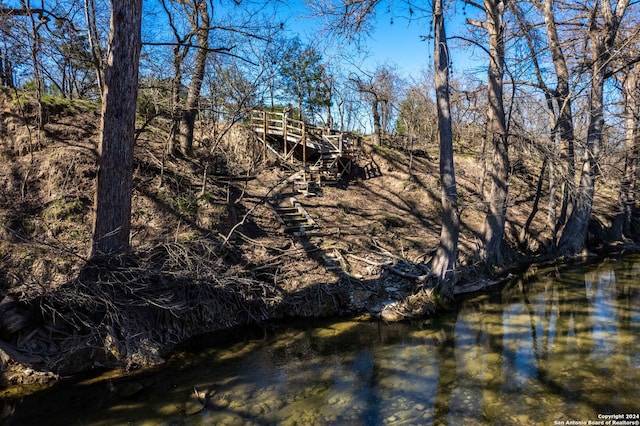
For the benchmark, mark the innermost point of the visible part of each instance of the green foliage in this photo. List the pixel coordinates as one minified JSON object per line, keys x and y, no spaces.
{"x":305,"y":78}
{"x":186,"y":204}
{"x":28,"y":226}
{"x":206,"y":196}
{"x":382,"y":149}
{"x":62,"y":209}
{"x":30,"y":86}
{"x":52,"y":104}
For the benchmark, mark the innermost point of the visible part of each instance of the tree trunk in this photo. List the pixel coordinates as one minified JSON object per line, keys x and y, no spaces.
{"x":94,"y":42}
{"x":524,"y":234}
{"x":179,"y":53}
{"x":602,"y":37}
{"x":6,"y":77}
{"x":112,"y":219}
{"x":176,"y":110}
{"x":35,"y":52}
{"x":628,"y":187}
{"x":497,"y":209}
{"x":200,"y":25}
{"x":564,"y":120}
{"x":377,"y":127}
{"x":551,"y":214}
{"x":443,"y":266}
{"x":574,"y":235}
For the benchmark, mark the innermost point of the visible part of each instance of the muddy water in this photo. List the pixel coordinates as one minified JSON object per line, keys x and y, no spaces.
{"x":555,"y":346}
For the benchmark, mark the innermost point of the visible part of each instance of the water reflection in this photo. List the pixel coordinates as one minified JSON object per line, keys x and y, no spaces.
{"x":552,"y":345}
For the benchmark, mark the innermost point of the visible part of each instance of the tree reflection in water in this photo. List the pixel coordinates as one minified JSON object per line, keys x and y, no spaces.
{"x":553,"y":344}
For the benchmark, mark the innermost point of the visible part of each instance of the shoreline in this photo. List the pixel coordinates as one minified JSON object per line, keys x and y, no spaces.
{"x":22,"y":369}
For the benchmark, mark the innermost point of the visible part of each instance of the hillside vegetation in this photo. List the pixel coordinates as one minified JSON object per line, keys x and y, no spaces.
{"x":209,"y":251}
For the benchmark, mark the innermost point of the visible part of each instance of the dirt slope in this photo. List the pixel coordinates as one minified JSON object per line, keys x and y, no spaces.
{"x":209,"y":250}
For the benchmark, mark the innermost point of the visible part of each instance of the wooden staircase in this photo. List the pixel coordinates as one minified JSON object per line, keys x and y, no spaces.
{"x":324,"y":156}
{"x":295,"y":218}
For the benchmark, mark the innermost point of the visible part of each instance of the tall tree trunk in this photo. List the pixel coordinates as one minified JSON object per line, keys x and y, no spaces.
{"x":112,"y":218}
{"x":94,"y":42}
{"x":497,"y":206}
{"x":6,"y":78}
{"x":564,"y":120}
{"x":176,"y":107}
{"x":200,"y":25}
{"x":35,"y":52}
{"x":179,"y":53}
{"x":377,"y":127}
{"x":628,"y":187}
{"x":443,"y":266}
{"x":574,"y":235}
{"x":602,"y":35}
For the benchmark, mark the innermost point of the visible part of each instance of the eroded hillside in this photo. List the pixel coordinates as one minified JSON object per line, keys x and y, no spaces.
{"x":209,"y":248}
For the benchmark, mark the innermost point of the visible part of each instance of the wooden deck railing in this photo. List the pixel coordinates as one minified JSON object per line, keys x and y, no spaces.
{"x":297,"y":133}
{"x":278,"y":123}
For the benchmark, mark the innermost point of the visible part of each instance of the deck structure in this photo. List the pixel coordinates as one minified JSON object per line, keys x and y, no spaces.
{"x":322,"y":154}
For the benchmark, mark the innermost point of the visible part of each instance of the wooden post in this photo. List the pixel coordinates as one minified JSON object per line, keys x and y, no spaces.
{"x":284,"y":133}
{"x":304,"y":143}
{"x":265,"y":130}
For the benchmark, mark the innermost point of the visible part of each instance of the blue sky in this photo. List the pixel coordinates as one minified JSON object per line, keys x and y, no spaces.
{"x":396,"y":41}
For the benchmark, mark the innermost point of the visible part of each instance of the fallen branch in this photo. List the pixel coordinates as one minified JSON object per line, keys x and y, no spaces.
{"x":368,"y":261}
{"x":419,"y":278}
{"x":248,"y":213}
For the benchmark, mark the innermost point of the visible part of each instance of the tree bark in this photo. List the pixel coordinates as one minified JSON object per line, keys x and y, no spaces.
{"x":564,"y":120}
{"x":94,"y":42}
{"x":112,"y":216}
{"x":628,"y":187}
{"x":497,"y":204}
{"x":602,"y":41}
{"x":443,"y":266}
{"x":573,"y":238}
{"x":377,"y":127}
{"x":200,"y":25}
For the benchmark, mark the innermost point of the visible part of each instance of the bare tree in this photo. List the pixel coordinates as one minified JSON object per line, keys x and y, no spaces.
{"x":564,"y":120}
{"x":180,"y":51}
{"x":534,"y":47}
{"x":112,"y":219}
{"x":200,"y":26}
{"x":629,"y":185}
{"x":443,"y":264}
{"x":94,"y":42}
{"x":604,"y":22}
{"x":494,"y":226}
{"x":379,"y":90}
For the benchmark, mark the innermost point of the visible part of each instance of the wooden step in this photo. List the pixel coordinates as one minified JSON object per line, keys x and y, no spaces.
{"x":295,"y":219}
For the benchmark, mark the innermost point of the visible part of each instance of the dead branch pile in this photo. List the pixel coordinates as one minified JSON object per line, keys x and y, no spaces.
{"x":132,"y":315}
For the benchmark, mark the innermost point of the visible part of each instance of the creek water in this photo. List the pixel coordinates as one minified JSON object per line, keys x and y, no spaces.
{"x":557,"y":345}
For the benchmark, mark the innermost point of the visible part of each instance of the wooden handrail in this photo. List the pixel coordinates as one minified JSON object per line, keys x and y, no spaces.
{"x":278,"y":123}
{"x":275,"y":121}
